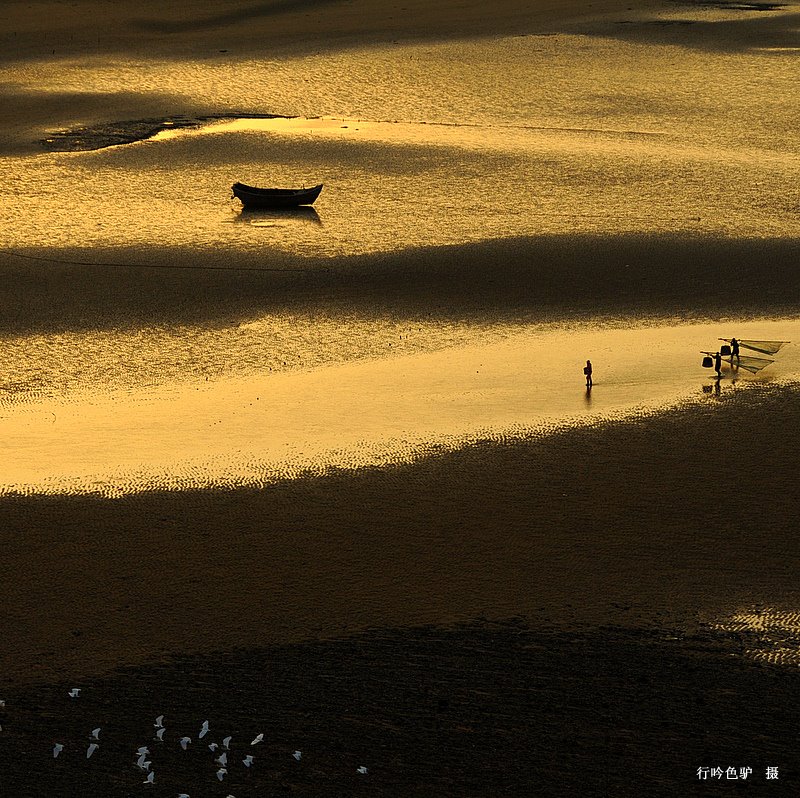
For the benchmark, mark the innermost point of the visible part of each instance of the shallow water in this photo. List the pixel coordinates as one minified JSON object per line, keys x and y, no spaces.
{"x":256,"y":429}
{"x":423,"y":144}
{"x":610,"y":130}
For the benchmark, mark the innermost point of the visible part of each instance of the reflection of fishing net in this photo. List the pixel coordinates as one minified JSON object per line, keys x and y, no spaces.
{"x":752,"y":364}
{"x":767,"y":347}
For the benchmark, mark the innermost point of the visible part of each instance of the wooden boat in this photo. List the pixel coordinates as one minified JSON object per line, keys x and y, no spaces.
{"x":252,"y":197}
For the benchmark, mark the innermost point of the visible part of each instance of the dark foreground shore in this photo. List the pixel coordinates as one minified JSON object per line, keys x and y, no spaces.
{"x":485,"y":709}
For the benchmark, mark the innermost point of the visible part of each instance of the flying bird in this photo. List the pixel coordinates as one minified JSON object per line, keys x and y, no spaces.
{"x":151,"y":777}
{"x":222,"y":759}
{"x":212,"y":746}
{"x":96,"y":733}
{"x":57,"y":749}
{"x":221,"y":773}
{"x":247,"y":761}
{"x":141,"y":760}
{"x":160,"y":734}
{"x":297,"y":755}
{"x":91,"y":749}
{"x":227,"y":742}
{"x":204,"y":730}
{"x":74,"y":692}
{"x":259,"y":738}
{"x":362,"y":770}
{"x":143,"y":750}
{"x":184,"y":742}
{"x":159,"y":722}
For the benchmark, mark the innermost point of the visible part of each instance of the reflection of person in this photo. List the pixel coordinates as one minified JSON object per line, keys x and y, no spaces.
{"x":734,"y":350}
{"x":587,"y":370}
{"x":718,"y":364}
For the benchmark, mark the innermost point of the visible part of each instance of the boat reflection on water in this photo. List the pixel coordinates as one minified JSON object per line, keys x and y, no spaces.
{"x":278,"y":217}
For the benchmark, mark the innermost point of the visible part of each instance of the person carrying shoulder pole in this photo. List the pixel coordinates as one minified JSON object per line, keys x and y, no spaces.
{"x":734,"y":350}
{"x":718,"y":365}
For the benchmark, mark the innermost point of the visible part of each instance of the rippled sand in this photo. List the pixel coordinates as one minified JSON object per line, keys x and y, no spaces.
{"x":237,"y":446}
{"x":193,"y":433}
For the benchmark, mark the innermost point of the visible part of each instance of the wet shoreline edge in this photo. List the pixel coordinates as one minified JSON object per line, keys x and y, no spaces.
{"x":112,"y":134}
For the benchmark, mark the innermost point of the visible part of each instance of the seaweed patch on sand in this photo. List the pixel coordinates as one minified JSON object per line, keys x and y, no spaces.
{"x":111,"y":134}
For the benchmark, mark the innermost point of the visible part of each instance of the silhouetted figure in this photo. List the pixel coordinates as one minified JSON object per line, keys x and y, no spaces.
{"x":587,"y":370}
{"x":734,"y":350}
{"x":718,"y":364}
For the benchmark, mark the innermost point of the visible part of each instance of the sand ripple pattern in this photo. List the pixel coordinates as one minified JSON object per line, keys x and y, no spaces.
{"x":773,"y":633}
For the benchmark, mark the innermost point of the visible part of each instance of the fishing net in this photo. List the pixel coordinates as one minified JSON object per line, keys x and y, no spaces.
{"x":752,"y":364}
{"x":767,"y":347}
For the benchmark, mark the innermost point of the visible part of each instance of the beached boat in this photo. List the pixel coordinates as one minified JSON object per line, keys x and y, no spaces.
{"x":252,"y":197}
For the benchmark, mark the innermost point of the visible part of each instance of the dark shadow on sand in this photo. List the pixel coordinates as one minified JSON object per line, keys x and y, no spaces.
{"x":753,"y":30}
{"x":271,"y":8}
{"x":523,"y":279}
{"x":642,"y":521}
{"x":486,"y":709}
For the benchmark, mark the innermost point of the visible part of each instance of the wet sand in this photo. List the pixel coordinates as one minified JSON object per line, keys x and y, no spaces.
{"x":537,"y":279}
{"x":546,"y":616}
{"x":664,"y":520}
{"x":616,"y":548}
{"x":193,"y":27}
{"x":484,"y":709}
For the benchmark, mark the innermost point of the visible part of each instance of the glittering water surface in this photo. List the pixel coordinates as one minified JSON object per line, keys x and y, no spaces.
{"x":255,"y":429}
{"x":417,"y":145}
{"x":427,"y":144}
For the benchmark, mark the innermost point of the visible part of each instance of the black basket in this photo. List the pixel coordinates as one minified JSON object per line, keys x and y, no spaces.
{"x":708,"y":362}
{"x":725,"y":350}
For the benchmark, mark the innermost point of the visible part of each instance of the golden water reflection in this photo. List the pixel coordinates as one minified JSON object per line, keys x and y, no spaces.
{"x":255,"y":429}
{"x":419,"y":144}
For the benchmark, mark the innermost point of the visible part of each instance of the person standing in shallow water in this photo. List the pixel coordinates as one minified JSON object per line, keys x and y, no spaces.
{"x":587,"y":370}
{"x":718,"y":365}
{"x":734,"y":350}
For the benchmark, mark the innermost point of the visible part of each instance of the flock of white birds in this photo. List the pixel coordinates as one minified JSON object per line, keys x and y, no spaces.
{"x":142,"y":753}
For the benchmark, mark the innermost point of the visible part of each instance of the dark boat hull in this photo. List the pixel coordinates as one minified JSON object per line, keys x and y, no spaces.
{"x":252,"y":197}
